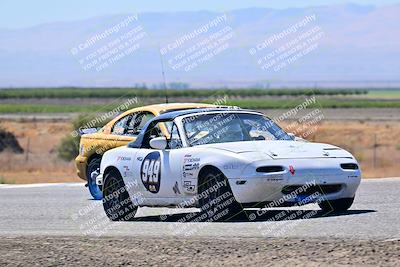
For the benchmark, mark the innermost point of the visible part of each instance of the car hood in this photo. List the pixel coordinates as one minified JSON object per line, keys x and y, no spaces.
{"x":283,"y":149}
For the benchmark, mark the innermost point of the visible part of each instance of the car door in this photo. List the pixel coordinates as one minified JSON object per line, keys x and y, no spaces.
{"x":158,"y":171}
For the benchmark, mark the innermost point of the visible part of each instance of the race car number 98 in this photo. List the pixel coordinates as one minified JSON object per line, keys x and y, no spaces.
{"x":151,"y":172}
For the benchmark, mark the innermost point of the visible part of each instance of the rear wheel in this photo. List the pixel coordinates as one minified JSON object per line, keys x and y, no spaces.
{"x":94,"y":189}
{"x":116,"y":202}
{"x":342,"y":204}
{"x":216,"y":199}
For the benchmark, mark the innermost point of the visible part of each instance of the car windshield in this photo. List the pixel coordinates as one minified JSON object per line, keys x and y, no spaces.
{"x":231,"y":127}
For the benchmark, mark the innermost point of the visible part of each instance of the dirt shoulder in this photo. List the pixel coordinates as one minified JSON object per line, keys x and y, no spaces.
{"x":113,"y":251}
{"x":39,"y":162}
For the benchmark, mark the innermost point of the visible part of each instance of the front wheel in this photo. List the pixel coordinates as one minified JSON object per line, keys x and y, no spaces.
{"x":216,"y":199}
{"x":94,"y":189}
{"x":342,"y":204}
{"x":116,"y":202}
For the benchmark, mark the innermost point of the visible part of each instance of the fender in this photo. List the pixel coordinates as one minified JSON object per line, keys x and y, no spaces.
{"x":230,"y":164}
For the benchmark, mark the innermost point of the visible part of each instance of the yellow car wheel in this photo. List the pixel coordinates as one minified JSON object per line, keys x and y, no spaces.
{"x":91,"y":171}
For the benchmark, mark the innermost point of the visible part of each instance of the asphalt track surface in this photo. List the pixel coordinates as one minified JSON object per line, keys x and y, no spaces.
{"x":60,"y":225}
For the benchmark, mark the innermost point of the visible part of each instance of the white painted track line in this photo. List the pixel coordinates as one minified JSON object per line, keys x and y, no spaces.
{"x":8,"y":186}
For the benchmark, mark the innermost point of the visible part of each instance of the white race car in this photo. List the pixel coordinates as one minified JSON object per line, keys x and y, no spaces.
{"x":222,"y":161}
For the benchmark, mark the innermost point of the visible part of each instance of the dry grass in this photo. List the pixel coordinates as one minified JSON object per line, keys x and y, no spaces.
{"x":42,"y":164}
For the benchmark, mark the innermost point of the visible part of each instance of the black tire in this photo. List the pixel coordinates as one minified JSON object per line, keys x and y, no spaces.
{"x":342,"y":204}
{"x":94,"y":189}
{"x":220,"y":204}
{"x":116,"y":202}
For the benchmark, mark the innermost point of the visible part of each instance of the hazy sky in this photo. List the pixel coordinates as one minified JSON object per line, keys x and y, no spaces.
{"x":24,"y":13}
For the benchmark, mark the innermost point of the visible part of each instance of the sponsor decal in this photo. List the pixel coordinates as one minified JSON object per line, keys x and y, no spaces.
{"x":189,"y":186}
{"x":128,"y":174}
{"x":191,"y":160}
{"x":291,"y":169}
{"x":191,"y":167}
{"x":187,"y":174}
{"x":274,"y":179}
{"x":352,"y":176}
{"x":121,"y":158}
{"x":176,"y":188}
{"x":127,"y":171}
{"x":233,"y":166}
{"x":150,"y":172}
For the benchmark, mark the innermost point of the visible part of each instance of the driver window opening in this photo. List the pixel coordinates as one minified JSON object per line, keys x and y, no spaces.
{"x":137,"y":122}
{"x":175,"y":140}
{"x":156,"y":130}
{"x":165,"y":129}
{"x":120,"y":126}
{"x":131,"y":124}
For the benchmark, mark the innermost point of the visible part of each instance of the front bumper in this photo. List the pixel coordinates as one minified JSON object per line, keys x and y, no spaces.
{"x":81,"y":164}
{"x":322,"y":176}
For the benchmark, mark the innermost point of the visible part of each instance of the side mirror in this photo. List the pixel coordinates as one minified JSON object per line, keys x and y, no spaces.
{"x":158,"y":143}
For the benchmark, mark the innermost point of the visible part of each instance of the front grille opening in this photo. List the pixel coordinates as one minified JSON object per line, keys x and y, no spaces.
{"x":349,"y":166}
{"x":322,"y":189}
{"x":267,"y":169}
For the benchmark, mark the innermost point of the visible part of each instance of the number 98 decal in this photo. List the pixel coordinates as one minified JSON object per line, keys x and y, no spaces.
{"x":150,"y":172}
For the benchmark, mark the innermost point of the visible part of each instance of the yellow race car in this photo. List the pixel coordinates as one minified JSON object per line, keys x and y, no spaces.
{"x":118,"y":132}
